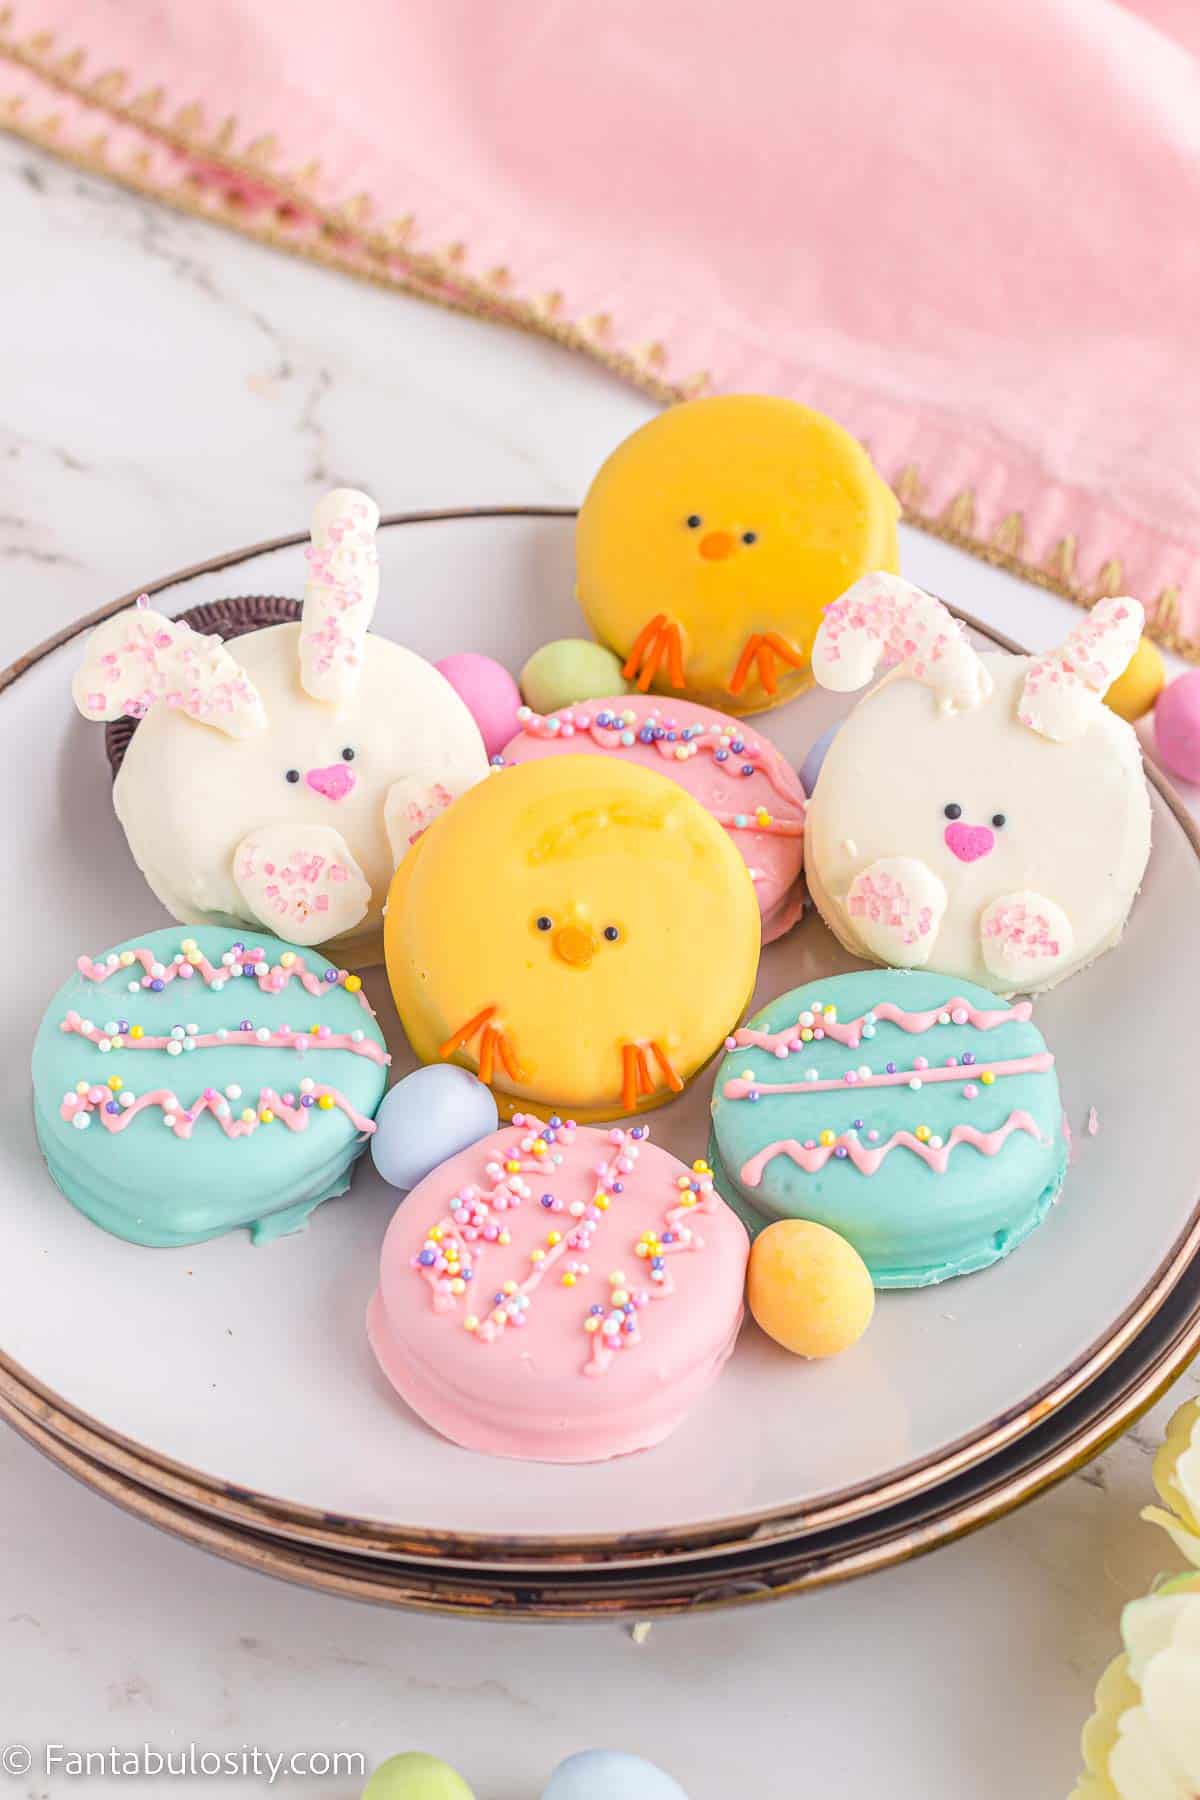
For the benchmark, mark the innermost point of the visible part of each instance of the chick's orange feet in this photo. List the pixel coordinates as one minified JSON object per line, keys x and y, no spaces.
{"x":495,"y":1045}
{"x":645,"y":1070}
{"x":762,"y":649}
{"x":661,"y":640}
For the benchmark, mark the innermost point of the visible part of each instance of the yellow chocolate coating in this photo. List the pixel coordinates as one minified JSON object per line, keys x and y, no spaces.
{"x":1134,"y":691}
{"x":808,"y":1288}
{"x":498,"y":919}
{"x":804,"y":490}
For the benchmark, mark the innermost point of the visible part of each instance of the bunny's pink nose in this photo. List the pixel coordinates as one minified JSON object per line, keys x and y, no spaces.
{"x":969,"y":842}
{"x":334,"y":783}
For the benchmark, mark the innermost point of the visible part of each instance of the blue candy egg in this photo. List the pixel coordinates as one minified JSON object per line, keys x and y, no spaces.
{"x":811,"y":766}
{"x":426,"y":1118}
{"x":610,"y":1775}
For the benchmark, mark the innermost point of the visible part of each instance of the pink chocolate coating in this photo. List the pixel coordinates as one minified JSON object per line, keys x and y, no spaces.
{"x":561,"y":1370}
{"x":1177,"y":725}
{"x":489,"y":693}
{"x":709,"y":768}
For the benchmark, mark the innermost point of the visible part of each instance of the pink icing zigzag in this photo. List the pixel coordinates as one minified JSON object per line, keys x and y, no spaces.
{"x":956,"y":1011}
{"x":273,"y":980}
{"x":293,"y":1114}
{"x":454,"y":1249}
{"x":619,"y":1328}
{"x":813,"y":1157}
{"x":284,"y":1038}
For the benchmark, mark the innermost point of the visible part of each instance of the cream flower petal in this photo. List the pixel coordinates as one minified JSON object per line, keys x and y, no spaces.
{"x":1115,"y":1695}
{"x":1171,"y":1702}
{"x":1162,"y":1621}
{"x":1139,"y":1766}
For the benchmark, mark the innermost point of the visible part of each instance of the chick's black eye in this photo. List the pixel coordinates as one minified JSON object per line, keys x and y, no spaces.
{"x":694,"y":521}
{"x":611,"y":933}
{"x":749,"y":537}
{"x":544,"y":922}
{"x":291,"y":775}
{"x":999,"y":820}
{"x":347,"y":754}
{"x":952,"y":811}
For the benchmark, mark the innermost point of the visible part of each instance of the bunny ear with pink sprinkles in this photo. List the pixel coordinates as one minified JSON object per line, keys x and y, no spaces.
{"x":884,"y":620}
{"x":340,"y":596}
{"x":1065,"y":687}
{"x":140,"y":658}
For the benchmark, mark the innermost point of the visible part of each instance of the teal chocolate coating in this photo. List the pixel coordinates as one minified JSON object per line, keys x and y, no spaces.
{"x":159,"y":1185}
{"x":929,"y":1207}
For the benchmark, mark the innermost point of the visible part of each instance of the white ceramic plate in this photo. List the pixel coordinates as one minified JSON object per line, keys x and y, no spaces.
{"x":553,"y":1588}
{"x":248,"y":1368}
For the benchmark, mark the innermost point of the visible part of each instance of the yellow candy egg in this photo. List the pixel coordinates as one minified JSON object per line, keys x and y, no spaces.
{"x":808,"y":1288}
{"x":1133,"y":693}
{"x":713,"y":538}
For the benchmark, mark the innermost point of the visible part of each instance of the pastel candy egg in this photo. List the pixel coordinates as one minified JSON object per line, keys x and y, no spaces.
{"x":415,"y":1776}
{"x":428,"y":1117}
{"x":610,"y":1775}
{"x":811,"y":766}
{"x":568,"y":670}
{"x":1177,"y":726}
{"x":489,"y":693}
{"x":1134,"y":692}
{"x":808,"y":1288}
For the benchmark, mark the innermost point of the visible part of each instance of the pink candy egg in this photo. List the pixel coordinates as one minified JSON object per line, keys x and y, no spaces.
{"x":1177,"y":726}
{"x":489,"y":693}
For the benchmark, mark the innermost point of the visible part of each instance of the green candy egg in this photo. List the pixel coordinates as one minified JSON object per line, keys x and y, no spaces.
{"x":415,"y":1776}
{"x":568,"y":670}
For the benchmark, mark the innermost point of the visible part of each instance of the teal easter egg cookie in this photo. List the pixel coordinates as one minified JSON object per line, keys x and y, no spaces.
{"x":917,"y":1115}
{"x":186,"y":1084}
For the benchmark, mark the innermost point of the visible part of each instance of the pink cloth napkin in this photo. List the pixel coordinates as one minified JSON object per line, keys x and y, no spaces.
{"x":969,"y":232}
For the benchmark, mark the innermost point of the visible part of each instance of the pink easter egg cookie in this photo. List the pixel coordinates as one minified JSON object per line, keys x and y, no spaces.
{"x":559,"y":1293}
{"x":733,"y":771}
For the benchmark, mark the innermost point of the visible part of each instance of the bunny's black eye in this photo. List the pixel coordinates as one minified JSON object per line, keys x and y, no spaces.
{"x":694,"y":521}
{"x":999,"y":820}
{"x":347,"y":754}
{"x":291,"y":775}
{"x":952,"y":811}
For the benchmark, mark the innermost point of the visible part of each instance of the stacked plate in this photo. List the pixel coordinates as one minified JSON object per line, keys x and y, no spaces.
{"x":226,"y":1394}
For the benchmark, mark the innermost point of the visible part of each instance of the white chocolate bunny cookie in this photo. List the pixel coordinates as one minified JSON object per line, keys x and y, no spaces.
{"x":985,"y":816}
{"x":279,"y":782}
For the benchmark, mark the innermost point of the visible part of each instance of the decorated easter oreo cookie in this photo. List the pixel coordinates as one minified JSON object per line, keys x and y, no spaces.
{"x":712,"y":538}
{"x":275,"y":781}
{"x":733,"y":771}
{"x":189,"y":1083}
{"x":917,"y":1116}
{"x":578,"y":931}
{"x":559,"y":1293}
{"x":982,"y":815}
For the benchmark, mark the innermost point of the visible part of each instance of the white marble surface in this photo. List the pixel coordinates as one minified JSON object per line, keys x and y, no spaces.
{"x":166,"y":392}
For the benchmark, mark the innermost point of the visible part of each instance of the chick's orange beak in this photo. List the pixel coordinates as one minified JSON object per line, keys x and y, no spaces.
{"x":574,"y":945}
{"x":715,"y":546}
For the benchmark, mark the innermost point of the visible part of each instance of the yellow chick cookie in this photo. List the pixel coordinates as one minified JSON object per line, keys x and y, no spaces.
{"x":581,"y":933}
{"x":713,"y":538}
